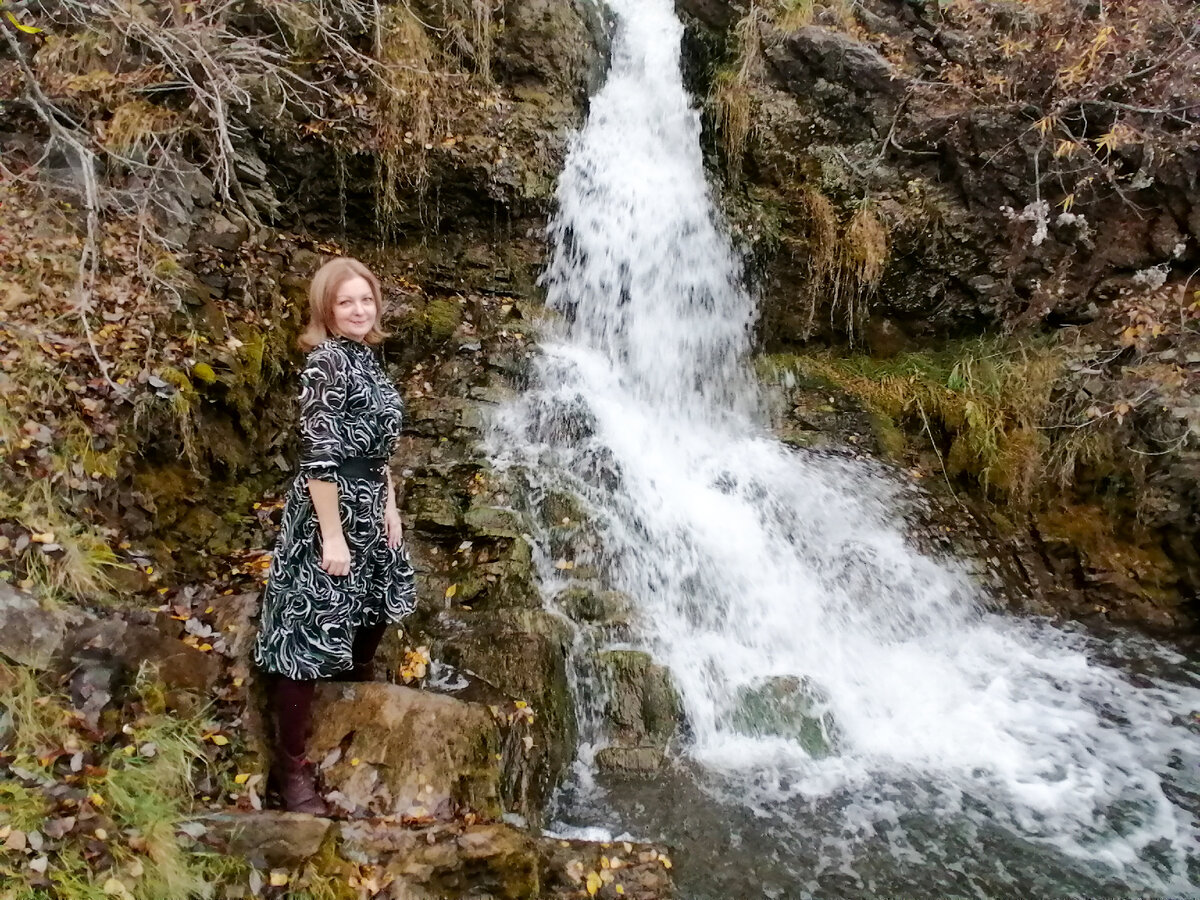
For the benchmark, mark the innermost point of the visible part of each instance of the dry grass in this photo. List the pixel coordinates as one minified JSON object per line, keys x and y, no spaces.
{"x":845,"y":264}
{"x":731,"y":97}
{"x":862,"y":254}
{"x":144,"y":794}
{"x":795,"y":14}
{"x":989,"y":402}
{"x":67,"y":558}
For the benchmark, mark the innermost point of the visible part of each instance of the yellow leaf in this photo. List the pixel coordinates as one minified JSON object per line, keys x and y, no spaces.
{"x":593,"y":883}
{"x":220,"y":740}
{"x":451,"y":591}
{"x":238,"y":682}
{"x":279,"y":878}
{"x":355,"y":761}
{"x":95,"y":800}
{"x":205,"y":647}
{"x":1067,"y":203}
{"x":241,"y":777}
{"x":28,"y":29}
{"x":619,"y":889}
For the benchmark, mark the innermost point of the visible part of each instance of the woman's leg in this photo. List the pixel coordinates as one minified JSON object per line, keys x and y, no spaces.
{"x":292,"y":711}
{"x":366,"y":642}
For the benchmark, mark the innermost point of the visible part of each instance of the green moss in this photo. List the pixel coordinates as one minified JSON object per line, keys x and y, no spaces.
{"x":442,"y":317}
{"x":204,"y":373}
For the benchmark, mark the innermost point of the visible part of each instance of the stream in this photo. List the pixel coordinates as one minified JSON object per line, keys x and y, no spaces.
{"x":937,"y":749}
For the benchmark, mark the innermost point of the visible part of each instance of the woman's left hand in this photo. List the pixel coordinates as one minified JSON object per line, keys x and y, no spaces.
{"x":393,"y":527}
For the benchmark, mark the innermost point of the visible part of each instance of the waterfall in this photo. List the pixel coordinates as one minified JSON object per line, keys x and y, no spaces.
{"x":748,"y":561}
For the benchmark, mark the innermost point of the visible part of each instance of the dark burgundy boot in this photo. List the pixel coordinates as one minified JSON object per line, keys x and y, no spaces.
{"x":292,"y":774}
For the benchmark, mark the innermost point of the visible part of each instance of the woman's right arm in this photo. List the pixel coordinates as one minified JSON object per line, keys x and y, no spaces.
{"x":322,"y":415}
{"x":335,"y":552}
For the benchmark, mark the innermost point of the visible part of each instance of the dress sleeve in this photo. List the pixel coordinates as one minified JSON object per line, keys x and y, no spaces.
{"x":322,"y":414}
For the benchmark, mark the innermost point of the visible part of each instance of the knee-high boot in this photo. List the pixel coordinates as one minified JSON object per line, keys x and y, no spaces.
{"x":292,"y":712}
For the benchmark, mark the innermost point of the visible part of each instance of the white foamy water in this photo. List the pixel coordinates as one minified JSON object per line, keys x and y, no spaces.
{"x":747,"y":560}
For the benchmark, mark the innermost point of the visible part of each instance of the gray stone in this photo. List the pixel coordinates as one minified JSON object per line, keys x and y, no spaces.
{"x":29,"y":635}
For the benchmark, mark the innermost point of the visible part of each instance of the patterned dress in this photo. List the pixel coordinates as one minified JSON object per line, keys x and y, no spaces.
{"x":349,"y":411}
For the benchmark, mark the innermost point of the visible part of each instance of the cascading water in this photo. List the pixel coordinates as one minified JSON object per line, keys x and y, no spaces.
{"x":997,"y":750}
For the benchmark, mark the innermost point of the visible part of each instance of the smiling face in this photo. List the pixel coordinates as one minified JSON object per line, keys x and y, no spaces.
{"x":354,"y":310}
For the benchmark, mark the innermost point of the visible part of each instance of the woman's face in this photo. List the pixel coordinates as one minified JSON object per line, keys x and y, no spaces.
{"x":354,"y":311}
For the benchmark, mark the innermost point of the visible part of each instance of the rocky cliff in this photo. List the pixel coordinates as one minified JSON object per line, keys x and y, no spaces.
{"x":980,"y":221}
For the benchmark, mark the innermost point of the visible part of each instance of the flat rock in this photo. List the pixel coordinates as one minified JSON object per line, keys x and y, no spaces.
{"x":644,"y":761}
{"x":449,"y":860}
{"x":267,"y":838}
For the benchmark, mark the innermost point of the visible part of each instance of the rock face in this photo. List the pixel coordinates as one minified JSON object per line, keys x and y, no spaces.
{"x":908,"y":177}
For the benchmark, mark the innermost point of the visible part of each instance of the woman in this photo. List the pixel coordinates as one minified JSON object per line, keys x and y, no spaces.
{"x":340,"y":574}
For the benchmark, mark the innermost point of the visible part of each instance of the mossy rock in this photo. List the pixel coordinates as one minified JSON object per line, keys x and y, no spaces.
{"x":442,"y":318}
{"x":592,"y":603}
{"x":492,"y":521}
{"x":522,"y":653}
{"x":561,"y":508}
{"x":642,"y":706}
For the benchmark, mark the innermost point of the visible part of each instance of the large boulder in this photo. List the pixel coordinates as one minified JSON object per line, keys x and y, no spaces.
{"x":390,"y":750}
{"x":523,"y":654}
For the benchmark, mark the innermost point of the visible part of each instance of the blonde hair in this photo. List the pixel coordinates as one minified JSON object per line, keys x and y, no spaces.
{"x":322,"y":293}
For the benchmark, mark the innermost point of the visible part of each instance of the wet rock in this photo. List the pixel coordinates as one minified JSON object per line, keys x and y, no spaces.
{"x":642,"y":706}
{"x":391,"y":750}
{"x":643,"y":761}
{"x":550,"y":42}
{"x":592,"y":603}
{"x":522,"y":653}
{"x":786,"y":706}
{"x":491,"y":521}
{"x":267,"y":838}
{"x":30,"y":635}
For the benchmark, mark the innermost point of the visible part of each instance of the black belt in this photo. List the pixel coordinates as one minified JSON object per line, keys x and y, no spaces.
{"x":364,"y":467}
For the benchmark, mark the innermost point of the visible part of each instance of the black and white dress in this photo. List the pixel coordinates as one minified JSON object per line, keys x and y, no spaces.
{"x":349,"y":413}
